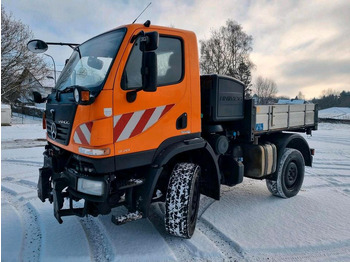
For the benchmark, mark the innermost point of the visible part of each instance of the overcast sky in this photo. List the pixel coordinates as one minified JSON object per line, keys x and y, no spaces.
{"x":301,"y":45}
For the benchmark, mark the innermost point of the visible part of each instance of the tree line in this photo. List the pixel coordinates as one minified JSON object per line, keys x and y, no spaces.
{"x":331,"y":98}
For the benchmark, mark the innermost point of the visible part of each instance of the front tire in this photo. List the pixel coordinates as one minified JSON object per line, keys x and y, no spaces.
{"x":182,"y":200}
{"x":290,"y":174}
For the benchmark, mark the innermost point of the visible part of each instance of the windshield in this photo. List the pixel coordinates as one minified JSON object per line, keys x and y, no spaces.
{"x":90,"y":62}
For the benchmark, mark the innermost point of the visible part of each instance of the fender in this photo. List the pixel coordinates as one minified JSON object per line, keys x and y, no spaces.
{"x":199,"y":148}
{"x":203,"y":154}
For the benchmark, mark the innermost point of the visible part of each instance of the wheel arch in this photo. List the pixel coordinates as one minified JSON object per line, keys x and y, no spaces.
{"x":200,"y":152}
{"x":289,"y":140}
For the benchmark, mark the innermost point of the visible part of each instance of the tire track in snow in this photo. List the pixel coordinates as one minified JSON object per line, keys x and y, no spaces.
{"x":187,"y":249}
{"x":230,"y":249}
{"x":332,"y":252}
{"x":204,"y":206}
{"x":330,"y":185}
{"x":100,"y":245}
{"x":21,"y":182}
{"x":339,"y":251}
{"x":312,"y":174}
{"x":23,"y":143}
{"x":177,"y":245}
{"x":32,"y":236}
{"x":24,"y":162}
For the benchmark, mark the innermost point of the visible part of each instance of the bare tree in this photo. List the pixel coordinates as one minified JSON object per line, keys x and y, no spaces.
{"x":329,"y":92}
{"x":265,"y":89}
{"x":16,"y":60}
{"x":300,"y":96}
{"x":227,"y":52}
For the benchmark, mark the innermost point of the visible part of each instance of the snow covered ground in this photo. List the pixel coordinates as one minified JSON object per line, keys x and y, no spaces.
{"x":338,"y":113}
{"x":247,"y":224}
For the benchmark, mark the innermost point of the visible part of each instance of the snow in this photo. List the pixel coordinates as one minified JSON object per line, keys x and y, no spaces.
{"x":247,"y":224}
{"x":339,"y":113}
{"x":5,"y":106}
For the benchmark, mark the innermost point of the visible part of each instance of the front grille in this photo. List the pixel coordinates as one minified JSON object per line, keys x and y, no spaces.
{"x":62,"y":132}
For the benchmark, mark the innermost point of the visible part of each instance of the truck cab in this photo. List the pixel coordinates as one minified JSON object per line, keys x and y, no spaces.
{"x":130,"y":122}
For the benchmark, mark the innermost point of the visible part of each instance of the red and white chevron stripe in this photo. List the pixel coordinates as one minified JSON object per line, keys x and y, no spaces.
{"x":134,"y":123}
{"x":82,"y":134}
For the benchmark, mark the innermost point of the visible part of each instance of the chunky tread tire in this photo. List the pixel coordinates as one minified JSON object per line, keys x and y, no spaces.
{"x":290,"y":175}
{"x":182,"y":200}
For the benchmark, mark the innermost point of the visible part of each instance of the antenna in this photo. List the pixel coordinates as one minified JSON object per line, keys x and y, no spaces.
{"x":142,"y":12}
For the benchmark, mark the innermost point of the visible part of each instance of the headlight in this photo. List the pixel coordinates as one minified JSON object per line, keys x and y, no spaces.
{"x":90,"y":187}
{"x":94,"y":152}
{"x":76,"y":95}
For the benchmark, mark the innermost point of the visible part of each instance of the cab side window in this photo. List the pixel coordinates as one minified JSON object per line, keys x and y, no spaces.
{"x":169,"y":60}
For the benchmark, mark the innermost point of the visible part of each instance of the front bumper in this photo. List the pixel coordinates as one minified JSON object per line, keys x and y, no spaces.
{"x":59,"y":179}
{"x":56,"y":187}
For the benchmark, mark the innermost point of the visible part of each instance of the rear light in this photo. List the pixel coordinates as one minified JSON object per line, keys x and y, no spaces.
{"x":312,"y":151}
{"x":44,"y":120}
{"x":94,"y":152}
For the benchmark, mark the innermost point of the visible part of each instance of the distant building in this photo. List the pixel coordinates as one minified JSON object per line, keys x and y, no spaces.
{"x":30,"y":84}
{"x":255,"y":99}
{"x":5,"y":115}
{"x":292,"y":101}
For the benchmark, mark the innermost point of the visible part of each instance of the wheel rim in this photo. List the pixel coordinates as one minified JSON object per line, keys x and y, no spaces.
{"x":291,"y":175}
{"x":195,"y":202}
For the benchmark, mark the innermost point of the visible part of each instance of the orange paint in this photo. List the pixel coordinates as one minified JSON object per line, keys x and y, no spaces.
{"x":184,"y":97}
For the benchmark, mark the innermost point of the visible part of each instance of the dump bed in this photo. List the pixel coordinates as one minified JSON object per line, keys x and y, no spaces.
{"x":285,"y":117}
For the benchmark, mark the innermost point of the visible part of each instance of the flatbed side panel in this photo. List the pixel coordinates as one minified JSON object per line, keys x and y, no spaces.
{"x":279,"y":117}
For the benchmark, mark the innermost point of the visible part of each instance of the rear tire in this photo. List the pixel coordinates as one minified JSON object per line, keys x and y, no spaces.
{"x":290,"y":174}
{"x":182,"y":200}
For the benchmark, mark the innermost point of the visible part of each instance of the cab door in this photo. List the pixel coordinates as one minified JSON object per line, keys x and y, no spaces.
{"x":145,"y":121}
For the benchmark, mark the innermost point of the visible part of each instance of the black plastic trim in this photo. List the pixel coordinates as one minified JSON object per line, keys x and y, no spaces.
{"x":134,"y":159}
{"x":101,"y":165}
{"x":181,"y":122}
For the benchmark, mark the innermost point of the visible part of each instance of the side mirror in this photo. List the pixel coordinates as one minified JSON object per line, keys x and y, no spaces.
{"x":149,"y":42}
{"x":37,"y":46}
{"x":38,"y":98}
{"x":149,"y":72}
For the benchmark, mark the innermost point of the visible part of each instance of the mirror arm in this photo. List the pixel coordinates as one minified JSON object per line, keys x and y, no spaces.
{"x":134,"y":37}
{"x":71,"y":45}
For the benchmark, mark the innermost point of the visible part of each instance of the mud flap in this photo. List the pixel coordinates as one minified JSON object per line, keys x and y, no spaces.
{"x":44,"y":183}
{"x":144,"y":193}
{"x":58,"y":200}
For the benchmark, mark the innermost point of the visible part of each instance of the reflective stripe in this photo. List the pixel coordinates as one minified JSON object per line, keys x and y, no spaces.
{"x":116,"y":119}
{"x":134,"y":123}
{"x":143,"y":121}
{"x":82,"y":134}
{"x":131,"y":125}
{"x":154,"y":118}
{"x":76,"y":138}
{"x":86,"y":132}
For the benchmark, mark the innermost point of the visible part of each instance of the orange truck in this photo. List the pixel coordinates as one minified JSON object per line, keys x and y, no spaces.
{"x":131,"y":122}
